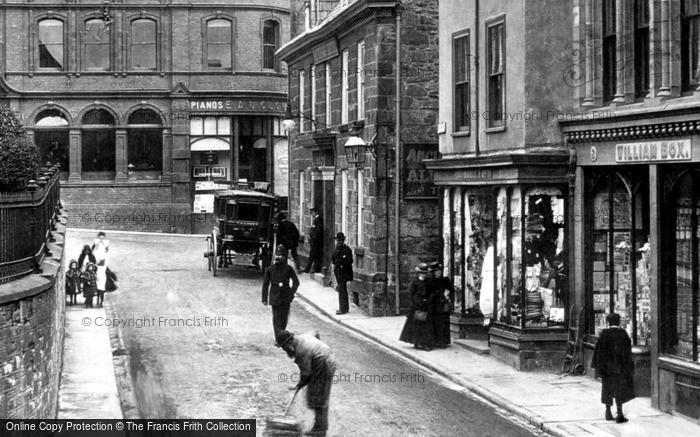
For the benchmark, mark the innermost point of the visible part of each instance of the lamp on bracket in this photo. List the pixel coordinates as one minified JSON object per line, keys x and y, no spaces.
{"x":289,"y":122}
{"x":356,"y":148}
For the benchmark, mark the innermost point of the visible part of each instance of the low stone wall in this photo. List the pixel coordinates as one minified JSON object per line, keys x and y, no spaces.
{"x":32,"y":319}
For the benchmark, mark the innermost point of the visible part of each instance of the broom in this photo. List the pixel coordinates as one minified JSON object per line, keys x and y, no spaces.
{"x":283,"y":423}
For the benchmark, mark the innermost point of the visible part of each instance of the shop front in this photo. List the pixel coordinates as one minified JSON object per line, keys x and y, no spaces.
{"x":505,"y":233}
{"x":637,"y":248}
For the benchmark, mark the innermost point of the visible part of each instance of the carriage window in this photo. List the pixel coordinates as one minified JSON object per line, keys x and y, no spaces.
{"x":248,"y":211}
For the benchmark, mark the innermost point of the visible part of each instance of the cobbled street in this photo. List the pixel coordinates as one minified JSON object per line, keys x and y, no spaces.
{"x":225,"y":365}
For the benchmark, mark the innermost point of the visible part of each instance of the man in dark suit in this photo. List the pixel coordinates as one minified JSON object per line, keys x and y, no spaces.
{"x":342,"y":267}
{"x":315,"y":243}
{"x":288,"y":236}
{"x":612,"y":360}
{"x":281,"y":294}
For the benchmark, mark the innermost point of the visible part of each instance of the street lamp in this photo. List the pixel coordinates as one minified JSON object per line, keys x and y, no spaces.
{"x":289,"y":121}
{"x":356,"y":148}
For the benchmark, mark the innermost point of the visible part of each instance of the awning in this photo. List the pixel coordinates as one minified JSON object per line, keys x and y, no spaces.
{"x":207,"y":144}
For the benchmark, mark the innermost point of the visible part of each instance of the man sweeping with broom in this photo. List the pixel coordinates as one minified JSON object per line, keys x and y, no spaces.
{"x":316,"y":370}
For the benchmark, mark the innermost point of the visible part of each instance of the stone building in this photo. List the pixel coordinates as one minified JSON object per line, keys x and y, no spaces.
{"x":149,"y":105}
{"x":505,"y":174}
{"x":367,"y":68}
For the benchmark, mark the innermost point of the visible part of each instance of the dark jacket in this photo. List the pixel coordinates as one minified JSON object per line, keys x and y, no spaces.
{"x":342,"y":263}
{"x":277,"y":278}
{"x":440,"y":285}
{"x":421,"y":295}
{"x":316,"y":232}
{"x":612,"y":360}
{"x":287,"y":234}
{"x":90,"y":258}
{"x":73,"y":281}
{"x":89,"y":281}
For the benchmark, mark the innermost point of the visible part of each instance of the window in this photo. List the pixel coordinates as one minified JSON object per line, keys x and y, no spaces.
{"x":313,"y":92}
{"x":98,"y":145}
{"x":496,"y":76}
{"x":51,"y":137}
{"x":360,"y":207}
{"x":619,"y":257}
{"x":210,"y":126}
{"x":302,"y":99}
{"x":51,"y":53}
{"x":145,"y":145}
{"x":681,"y":297}
{"x":344,"y":202}
{"x":219,"y":43}
{"x":345,"y":87}
{"x":270,"y":37}
{"x":360,"y":80}
{"x":609,"y":50}
{"x":690,"y":44}
{"x":143,"y":44}
{"x":97,"y":45}
{"x":328,"y":94}
{"x":461,"y":102}
{"x":641,"y":48}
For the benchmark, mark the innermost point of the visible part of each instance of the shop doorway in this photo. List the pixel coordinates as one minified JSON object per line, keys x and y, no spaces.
{"x":324,"y":201}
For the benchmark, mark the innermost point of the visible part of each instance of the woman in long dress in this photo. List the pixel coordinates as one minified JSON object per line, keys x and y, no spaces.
{"x":418,"y":328}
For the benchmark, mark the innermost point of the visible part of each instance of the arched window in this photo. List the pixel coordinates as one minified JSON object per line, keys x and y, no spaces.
{"x":219,"y":43}
{"x":98,"y":145}
{"x":51,"y":137}
{"x":143,"y":44}
{"x":270,"y":43}
{"x":51,"y":44}
{"x":145,"y":145}
{"x":96,"y":45}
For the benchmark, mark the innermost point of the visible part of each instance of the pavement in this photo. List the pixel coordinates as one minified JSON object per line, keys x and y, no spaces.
{"x":561,"y":405}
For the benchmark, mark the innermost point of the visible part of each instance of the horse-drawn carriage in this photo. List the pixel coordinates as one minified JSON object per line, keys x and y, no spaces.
{"x":244,"y":231}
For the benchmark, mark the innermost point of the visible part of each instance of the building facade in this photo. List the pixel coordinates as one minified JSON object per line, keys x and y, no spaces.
{"x":637,"y":143}
{"x":149,"y":105}
{"x":367,"y":68}
{"x":505,"y":175}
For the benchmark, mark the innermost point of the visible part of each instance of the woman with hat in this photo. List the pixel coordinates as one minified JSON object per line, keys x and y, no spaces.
{"x":418,"y":328}
{"x":442,"y":291}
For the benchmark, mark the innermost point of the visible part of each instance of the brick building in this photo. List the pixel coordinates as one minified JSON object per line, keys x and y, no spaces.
{"x":148,"y":104}
{"x":344,"y":73}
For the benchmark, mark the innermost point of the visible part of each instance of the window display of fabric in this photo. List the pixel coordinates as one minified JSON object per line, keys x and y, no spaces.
{"x":486,"y":292}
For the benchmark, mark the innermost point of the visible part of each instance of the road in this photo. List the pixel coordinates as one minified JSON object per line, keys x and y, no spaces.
{"x":202,"y":347}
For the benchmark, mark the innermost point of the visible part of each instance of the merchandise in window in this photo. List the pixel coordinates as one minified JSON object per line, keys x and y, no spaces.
{"x":480,"y":258}
{"x":458,"y":266}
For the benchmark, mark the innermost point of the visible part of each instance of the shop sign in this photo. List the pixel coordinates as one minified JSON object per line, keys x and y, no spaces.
{"x":281,"y":156}
{"x":237,"y":106}
{"x":674,"y":150}
{"x":418,"y":180}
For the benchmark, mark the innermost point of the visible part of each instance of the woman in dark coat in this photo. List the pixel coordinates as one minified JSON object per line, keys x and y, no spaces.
{"x":612,"y":359}
{"x":86,"y":253}
{"x":89,"y":281}
{"x":419,"y":332}
{"x":72,"y":281}
{"x":442,"y":307}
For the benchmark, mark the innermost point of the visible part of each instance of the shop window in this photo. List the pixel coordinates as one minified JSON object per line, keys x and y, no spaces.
{"x":143,"y":44}
{"x":270,"y":41}
{"x":495,"y":34}
{"x":51,"y":137}
{"x":219,"y":43}
{"x":145,"y":145}
{"x":690,"y":44}
{"x":681,"y":297}
{"x":98,"y":145}
{"x":210,"y":126}
{"x":460,"y":61}
{"x":51,"y":50}
{"x":253,"y":160}
{"x":620,"y":251}
{"x":480,"y":252}
{"x":457,"y":244}
{"x":96,"y":45}
{"x":609,"y":50}
{"x":641,"y":48}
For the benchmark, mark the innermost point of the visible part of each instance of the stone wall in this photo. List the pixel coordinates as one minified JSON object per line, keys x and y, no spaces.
{"x":32,"y":316}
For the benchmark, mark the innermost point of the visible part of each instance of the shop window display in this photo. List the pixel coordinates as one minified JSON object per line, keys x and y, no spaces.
{"x":480,"y":258}
{"x":458,"y":241}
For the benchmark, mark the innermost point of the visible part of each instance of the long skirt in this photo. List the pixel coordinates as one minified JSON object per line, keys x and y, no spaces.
{"x":441,"y":328}
{"x":318,"y":392}
{"x":620,"y":387}
{"x":417,"y":332}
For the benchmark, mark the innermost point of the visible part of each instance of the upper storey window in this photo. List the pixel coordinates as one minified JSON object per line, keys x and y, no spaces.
{"x":270,"y":42}
{"x":690,"y":44}
{"x":51,"y":51}
{"x":143,"y":44}
{"x":96,"y":45}
{"x":219,"y":43}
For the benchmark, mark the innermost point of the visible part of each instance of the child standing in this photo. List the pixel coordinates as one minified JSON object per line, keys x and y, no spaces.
{"x":89,"y":280}
{"x":72,"y":281}
{"x":101,"y":280}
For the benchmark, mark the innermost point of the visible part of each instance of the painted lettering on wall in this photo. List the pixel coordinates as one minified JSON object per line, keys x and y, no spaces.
{"x":233,"y":105}
{"x":418,"y":180}
{"x":673,"y":150}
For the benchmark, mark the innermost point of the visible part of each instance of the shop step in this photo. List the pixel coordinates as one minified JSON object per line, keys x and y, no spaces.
{"x":479,"y":347}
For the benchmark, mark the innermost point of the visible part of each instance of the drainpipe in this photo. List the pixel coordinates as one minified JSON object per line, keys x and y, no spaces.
{"x":477,"y":77}
{"x":397,"y":166}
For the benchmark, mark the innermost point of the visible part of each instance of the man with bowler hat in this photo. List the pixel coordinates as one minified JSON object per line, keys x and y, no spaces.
{"x":342,"y":267}
{"x":281,"y":294}
{"x":315,"y":243}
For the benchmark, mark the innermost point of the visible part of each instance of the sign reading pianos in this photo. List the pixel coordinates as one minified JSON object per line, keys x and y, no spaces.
{"x":238,"y":106}
{"x":418,"y":180}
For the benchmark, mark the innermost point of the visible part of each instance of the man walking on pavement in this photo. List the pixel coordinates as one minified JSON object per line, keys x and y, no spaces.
{"x":281,"y":294}
{"x":288,"y":236}
{"x":316,"y":370}
{"x":342,"y":267}
{"x":315,"y":243}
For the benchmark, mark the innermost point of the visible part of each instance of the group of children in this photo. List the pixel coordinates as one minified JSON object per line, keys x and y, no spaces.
{"x":90,"y":274}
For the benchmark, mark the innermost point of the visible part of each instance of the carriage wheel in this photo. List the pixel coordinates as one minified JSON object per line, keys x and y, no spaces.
{"x":213,"y":252}
{"x":207,"y":252}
